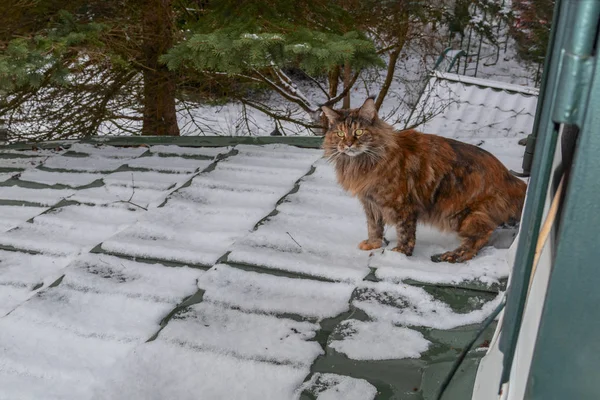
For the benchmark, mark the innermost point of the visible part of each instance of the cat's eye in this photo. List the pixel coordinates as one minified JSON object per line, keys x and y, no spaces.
{"x":340,"y":133}
{"x":359,"y":132}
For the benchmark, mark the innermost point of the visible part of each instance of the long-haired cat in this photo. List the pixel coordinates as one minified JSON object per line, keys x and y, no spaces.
{"x":402,"y":177}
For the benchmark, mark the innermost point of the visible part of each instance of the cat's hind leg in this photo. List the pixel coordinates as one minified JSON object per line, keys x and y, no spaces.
{"x":475,"y":231}
{"x":375,"y":226}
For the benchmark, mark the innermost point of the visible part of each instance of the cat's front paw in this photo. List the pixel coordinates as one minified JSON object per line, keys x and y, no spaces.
{"x":370,"y":244}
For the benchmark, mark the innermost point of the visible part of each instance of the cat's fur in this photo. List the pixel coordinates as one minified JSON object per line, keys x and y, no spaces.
{"x":407,"y":176}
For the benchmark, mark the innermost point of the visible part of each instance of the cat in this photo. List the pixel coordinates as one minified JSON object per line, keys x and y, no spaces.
{"x":405,"y":177}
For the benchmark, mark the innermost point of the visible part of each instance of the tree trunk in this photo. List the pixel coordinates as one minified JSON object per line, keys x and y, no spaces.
{"x":334,"y":78}
{"x":160,"y":117}
{"x":347,"y":80}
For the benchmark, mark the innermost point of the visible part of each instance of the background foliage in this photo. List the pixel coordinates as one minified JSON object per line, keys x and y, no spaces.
{"x":82,"y":67}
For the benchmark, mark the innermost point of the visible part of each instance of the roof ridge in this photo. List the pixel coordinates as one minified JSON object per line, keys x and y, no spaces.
{"x":508,"y":87}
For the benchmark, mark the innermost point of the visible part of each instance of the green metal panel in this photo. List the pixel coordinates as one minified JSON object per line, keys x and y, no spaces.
{"x":566,"y":78}
{"x":576,"y":61}
{"x":566,"y":359}
{"x":546,"y":131}
{"x":551,"y":54}
{"x":190,"y":141}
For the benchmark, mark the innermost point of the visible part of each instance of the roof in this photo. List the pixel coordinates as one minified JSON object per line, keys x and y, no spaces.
{"x":231,"y":271}
{"x":472,"y":108}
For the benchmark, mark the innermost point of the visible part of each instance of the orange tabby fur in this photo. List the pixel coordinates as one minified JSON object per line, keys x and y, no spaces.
{"x":407,"y":176}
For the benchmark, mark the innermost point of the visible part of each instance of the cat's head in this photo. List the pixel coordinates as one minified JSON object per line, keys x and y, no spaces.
{"x":355,"y":132}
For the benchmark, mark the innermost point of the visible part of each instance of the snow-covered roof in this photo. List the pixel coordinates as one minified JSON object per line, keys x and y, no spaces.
{"x":220,"y":273}
{"x":467,"y":107}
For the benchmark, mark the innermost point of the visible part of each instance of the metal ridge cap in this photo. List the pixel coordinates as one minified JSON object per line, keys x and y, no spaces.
{"x":508,"y":87}
{"x":186,"y":141}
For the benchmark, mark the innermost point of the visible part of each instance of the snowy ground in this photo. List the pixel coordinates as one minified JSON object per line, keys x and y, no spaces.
{"x":216,"y":273}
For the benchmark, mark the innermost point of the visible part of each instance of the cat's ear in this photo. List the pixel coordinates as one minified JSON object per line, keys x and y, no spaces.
{"x":331,"y":115}
{"x":368,"y":110}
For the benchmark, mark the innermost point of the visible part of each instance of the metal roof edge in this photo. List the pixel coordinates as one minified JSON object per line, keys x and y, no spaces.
{"x":312,"y":142}
{"x":508,"y":87}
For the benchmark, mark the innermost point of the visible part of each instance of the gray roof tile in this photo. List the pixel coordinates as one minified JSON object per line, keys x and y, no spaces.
{"x":467,"y":107}
{"x":238,"y":263}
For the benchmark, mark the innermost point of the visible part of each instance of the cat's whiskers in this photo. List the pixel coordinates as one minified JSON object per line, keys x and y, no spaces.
{"x":373,"y":154}
{"x":334,"y":155}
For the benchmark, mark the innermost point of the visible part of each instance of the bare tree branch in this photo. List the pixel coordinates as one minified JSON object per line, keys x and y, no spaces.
{"x":343,"y":93}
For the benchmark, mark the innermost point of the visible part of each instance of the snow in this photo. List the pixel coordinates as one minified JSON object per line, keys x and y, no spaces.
{"x":164,"y":370}
{"x":20,"y":273}
{"x":108,"y":151}
{"x":210,"y":327}
{"x":460,"y":110}
{"x":153,"y":283}
{"x":199,"y":222}
{"x":44,"y":362}
{"x":250,"y":36}
{"x":11,"y":216}
{"x":168,"y":164}
{"x":488,"y":83}
{"x":68,"y":230}
{"x":252,"y":333}
{"x":488,"y":267}
{"x":311,"y":246}
{"x":231,"y":340}
{"x":90,"y":158}
{"x":412,"y":306}
{"x":69,"y":179}
{"x":145,"y":180}
{"x":66,"y":308}
{"x":265,"y":293}
{"x":4,"y":176}
{"x":378,"y":341}
{"x":92,"y":163}
{"x":139,"y":187}
{"x":337,"y":387}
{"x":44,"y":197}
{"x":20,"y":163}
{"x":65,"y":339}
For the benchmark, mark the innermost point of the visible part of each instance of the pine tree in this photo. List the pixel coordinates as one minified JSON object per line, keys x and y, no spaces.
{"x":69,"y":68}
{"x":331,"y":41}
{"x":261,"y":40}
{"x":74,"y":68}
